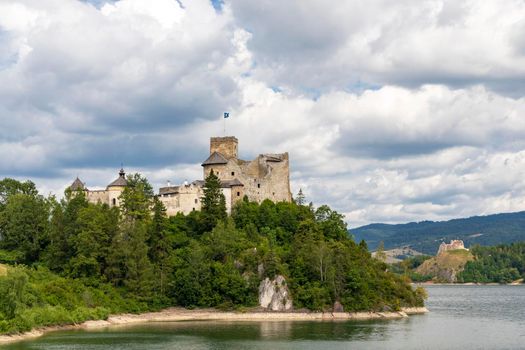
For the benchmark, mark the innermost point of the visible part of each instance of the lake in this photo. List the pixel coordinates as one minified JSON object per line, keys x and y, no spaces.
{"x":461,"y":317}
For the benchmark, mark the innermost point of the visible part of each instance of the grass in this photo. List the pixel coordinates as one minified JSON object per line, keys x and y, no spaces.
{"x":3,"y":270}
{"x":454,"y":260}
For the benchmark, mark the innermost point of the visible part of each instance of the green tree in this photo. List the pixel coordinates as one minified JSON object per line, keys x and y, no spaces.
{"x":10,"y":187}
{"x":331,"y":223}
{"x":159,"y":244}
{"x":128,"y":262}
{"x":300,"y":198}
{"x":380,"y":252}
{"x":97,"y":226}
{"x":137,"y":198}
{"x":213,"y":202}
{"x":64,"y":229}
{"x":24,"y":224}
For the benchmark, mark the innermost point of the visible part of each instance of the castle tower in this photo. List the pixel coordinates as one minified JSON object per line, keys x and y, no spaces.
{"x":77,"y":185}
{"x":227,"y":146}
{"x":115,"y":189}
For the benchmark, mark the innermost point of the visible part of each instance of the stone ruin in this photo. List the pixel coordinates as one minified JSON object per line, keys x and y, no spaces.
{"x":454,"y":244}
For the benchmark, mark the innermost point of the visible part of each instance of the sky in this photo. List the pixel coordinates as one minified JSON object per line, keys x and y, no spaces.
{"x":391,"y":111}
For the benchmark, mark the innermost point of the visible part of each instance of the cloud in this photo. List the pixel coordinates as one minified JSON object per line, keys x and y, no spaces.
{"x":306,"y":45}
{"x":391,"y":111}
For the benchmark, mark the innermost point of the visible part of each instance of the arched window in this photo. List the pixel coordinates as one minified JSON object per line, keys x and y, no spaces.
{"x":114,"y":201}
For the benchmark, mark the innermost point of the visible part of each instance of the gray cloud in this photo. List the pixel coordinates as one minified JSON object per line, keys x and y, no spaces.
{"x":306,"y":45}
{"x":390,"y":111}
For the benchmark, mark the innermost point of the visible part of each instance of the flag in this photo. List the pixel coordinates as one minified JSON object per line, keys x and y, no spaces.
{"x":226,"y":115}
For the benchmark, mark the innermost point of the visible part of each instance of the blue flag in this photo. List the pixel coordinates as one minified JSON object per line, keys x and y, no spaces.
{"x":226,"y":115}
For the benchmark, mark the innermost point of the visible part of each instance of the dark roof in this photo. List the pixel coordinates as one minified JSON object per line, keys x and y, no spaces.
{"x":168,"y":190}
{"x":215,"y":158}
{"x":121,"y":180}
{"x":224,"y":183}
{"x":231,"y":183}
{"x":77,"y":185}
{"x":274,"y":157}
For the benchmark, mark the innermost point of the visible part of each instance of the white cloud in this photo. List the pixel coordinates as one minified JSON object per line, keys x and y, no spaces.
{"x":391,"y":111}
{"x":309,"y":45}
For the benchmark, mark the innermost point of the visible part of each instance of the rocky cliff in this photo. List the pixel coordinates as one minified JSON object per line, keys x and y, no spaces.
{"x":274,"y":294}
{"x":445,"y":266}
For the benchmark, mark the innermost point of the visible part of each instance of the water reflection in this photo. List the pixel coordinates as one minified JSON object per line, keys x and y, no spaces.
{"x":460,"y":318}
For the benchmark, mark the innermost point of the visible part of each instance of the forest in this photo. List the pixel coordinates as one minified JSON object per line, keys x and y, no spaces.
{"x":67,"y":260}
{"x":425,"y":236}
{"x":497,"y":264}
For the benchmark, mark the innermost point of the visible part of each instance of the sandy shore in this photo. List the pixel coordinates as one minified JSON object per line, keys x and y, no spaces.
{"x":180,"y":314}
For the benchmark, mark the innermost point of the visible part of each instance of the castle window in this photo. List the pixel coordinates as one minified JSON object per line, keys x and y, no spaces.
{"x":193,"y":209}
{"x":196,"y":201}
{"x":233,"y":173}
{"x":114,"y":201}
{"x":258,"y":185}
{"x":238,"y":194}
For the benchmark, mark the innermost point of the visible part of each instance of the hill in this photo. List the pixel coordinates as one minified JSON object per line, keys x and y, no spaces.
{"x":396,"y":255}
{"x":73,"y":260}
{"x":426,"y":236}
{"x":445,"y":266}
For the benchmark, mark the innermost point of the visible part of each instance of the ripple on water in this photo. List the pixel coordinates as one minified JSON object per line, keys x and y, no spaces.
{"x":461,"y":317}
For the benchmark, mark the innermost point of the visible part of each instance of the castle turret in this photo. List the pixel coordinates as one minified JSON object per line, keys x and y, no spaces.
{"x":115,"y":189}
{"x":77,"y":185}
{"x":226,"y":146}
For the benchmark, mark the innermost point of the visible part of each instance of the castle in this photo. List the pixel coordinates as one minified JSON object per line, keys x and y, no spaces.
{"x":109,"y":196}
{"x":453,"y":245}
{"x":265,"y":177}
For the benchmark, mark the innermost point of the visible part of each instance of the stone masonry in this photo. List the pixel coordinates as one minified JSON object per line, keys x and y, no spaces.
{"x":265,"y":177}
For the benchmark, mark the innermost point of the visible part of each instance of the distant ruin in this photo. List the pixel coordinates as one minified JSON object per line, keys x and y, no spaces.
{"x":454,"y":244}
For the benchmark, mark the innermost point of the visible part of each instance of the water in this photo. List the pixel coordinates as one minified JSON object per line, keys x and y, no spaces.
{"x":461,"y":317}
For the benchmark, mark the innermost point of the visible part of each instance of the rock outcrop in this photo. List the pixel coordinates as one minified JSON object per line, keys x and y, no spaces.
{"x":454,"y":244}
{"x":338,"y":307}
{"x":445,"y":266}
{"x":274,"y":294}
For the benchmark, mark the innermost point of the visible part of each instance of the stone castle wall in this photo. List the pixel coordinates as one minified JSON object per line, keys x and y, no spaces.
{"x":265,"y":177}
{"x":97,"y":196}
{"x":227,"y":146}
{"x":453,"y":245}
{"x":181,"y":199}
{"x":109,"y":196}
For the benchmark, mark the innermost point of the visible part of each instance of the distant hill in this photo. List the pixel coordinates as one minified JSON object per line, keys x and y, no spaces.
{"x":426,"y":236}
{"x":445,"y":266}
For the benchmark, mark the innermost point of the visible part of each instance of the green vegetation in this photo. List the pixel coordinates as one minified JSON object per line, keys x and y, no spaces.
{"x":442,"y":268}
{"x":426,"y":236}
{"x":70,"y":260}
{"x":445,"y":267}
{"x":499,"y":264}
{"x":31,"y":297}
{"x":408,"y":266}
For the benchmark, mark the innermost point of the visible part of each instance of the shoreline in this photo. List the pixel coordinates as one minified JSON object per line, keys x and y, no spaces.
{"x":180,"y":314}
{"x":424,"y":284}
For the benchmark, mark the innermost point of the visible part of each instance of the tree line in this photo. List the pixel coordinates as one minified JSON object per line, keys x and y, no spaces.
{"x":497,"y":264}
{"x":204,"y":259}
